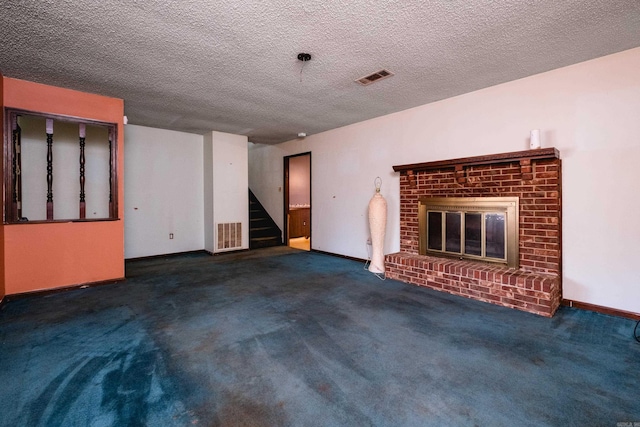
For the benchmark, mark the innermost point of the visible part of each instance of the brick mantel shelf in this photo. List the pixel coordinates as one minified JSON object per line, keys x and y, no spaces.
{"x":535,"y":177}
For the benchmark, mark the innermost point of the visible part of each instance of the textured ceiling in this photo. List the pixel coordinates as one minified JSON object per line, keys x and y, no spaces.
{"x":231,"y":66}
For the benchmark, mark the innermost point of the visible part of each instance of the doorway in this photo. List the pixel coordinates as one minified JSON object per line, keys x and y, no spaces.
{"x":297,"y":201}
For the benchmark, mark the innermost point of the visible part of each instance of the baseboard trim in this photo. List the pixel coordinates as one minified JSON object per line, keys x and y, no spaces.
{"x":150,"y":257}
{"x":45,"y":292}
{"x":600,"y":309}
{"x":339,"y":255}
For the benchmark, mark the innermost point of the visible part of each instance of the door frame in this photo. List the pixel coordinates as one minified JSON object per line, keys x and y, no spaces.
{"x":285,"y":178}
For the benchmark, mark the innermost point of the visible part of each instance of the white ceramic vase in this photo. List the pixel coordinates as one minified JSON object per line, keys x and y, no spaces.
{"x":377,"y":225}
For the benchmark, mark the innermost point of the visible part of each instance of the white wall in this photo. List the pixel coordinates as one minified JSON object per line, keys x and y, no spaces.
{"x":300,"y":180}
{"x":163,"y":191}
{"x":589,"y":111}
{"x":207,"y":162}
{"x":227,"y":198}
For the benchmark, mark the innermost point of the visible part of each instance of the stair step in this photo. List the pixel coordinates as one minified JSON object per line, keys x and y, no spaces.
{"x":263,"y":231}
{"x":262,"y":239}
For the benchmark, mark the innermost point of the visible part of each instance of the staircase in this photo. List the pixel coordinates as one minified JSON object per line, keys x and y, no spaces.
{"x":263,"y":231}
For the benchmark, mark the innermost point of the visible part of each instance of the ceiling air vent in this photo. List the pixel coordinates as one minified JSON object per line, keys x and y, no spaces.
{"x":377,"y":76}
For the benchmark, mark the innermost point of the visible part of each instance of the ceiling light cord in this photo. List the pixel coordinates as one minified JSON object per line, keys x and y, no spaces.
{"x":304,"y":57}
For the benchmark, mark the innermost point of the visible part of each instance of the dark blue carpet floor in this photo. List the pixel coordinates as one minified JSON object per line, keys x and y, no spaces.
{"x":278,"y":337}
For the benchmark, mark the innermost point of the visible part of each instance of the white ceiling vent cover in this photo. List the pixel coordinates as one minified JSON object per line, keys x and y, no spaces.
{"x":375,"y":77}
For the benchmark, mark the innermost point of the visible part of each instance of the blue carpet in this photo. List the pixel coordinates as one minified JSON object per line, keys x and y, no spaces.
{"x":279,"y":337}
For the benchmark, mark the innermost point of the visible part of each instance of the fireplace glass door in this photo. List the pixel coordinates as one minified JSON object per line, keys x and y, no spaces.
{"x":464,"y":233}
{"x":473,"y":233}
{"x":475,"y":228}
{"x":494,"y":235}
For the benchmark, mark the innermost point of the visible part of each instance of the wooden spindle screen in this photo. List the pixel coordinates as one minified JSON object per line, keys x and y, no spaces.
{"x":13,"y":171}
{"x":49,"y":174}
{"x":111,"y":183}
{"x":16,"y":197}
{"x":83,"y":205}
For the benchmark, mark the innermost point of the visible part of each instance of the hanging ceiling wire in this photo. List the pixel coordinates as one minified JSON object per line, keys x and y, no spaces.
{"x":304,"y":57}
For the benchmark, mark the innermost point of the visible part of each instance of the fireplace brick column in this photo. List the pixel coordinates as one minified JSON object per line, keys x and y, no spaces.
{"x":535,"y":176}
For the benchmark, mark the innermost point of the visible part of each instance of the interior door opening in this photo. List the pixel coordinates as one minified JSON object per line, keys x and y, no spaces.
{"x":297,"y":201}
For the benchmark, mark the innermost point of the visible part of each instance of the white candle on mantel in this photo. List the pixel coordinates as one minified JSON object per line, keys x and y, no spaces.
{"x":83,"y":130}
{"x":50,"y":126}
{"x":535,"y":139}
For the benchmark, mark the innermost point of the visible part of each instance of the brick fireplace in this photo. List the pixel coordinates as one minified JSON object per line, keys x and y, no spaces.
{"x":534,"y":177}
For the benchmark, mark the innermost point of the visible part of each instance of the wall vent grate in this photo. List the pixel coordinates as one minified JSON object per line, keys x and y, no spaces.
{"x":375,"y":77}
{"x":230,"y":235}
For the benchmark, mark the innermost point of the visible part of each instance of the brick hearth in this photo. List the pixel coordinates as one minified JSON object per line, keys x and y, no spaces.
{"x":535,"y":177}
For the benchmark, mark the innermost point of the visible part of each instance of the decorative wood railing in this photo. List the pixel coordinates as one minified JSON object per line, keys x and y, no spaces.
{"x":13,"y":171}
{"x":83,"y":205}
{"x":16,"y":196}
{"x":113,"y":210}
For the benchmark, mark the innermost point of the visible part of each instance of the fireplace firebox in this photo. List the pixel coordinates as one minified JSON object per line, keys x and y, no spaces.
{"x":477,"y":228}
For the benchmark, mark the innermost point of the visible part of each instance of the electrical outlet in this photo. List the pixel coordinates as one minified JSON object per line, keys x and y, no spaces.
{"x":170,"y":235}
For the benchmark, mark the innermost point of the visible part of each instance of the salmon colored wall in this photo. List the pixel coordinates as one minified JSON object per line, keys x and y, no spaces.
{"x":2,"y":290}
{"x":65,"y":254}
{"x":49,"y":99}
{"x":47,"y":256}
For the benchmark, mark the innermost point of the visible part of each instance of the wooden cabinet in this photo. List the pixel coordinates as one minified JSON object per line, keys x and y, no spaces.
{"x":299,"y":222}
